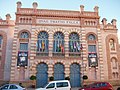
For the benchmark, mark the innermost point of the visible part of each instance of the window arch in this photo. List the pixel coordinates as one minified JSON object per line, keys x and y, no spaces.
{"x":24,"y":35}
{"x":1,"y":39}
{"x":91,"y":43}
{"x":23,"y":39}
{"x":42,"y":42}
{"x":74,"y":43}
{"x":58,"y":45}
{"x":91,"y":37}
{"x":114,"y":63}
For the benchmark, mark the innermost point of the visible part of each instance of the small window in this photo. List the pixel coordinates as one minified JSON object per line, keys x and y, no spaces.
{"x":112,"y":44}
{"x":23,"y":46}
{"x":114,"y":63}
{"x":52,"y":85}
{"x":62,"y":84}
{"x":91,"y":37}
{"x":24,"y":35}
{"x":13,"y":87}
{"x":0,"y":58}
{"x":0,"y":41}
{"x":92,"y":48}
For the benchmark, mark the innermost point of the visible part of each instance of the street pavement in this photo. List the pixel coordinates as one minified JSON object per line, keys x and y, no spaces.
{"x":115,"y":88}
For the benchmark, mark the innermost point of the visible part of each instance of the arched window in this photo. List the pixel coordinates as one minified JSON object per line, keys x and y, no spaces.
{"x":112,"y":46}
{"x":91,"y":37}
{"x":117,"y":75}
{"x":74,"y":43}
{"x":1,"y":38}
{"x":114,"y":63}
{"x":42,"y":42}
{"x":113,"y":74}
{"x":24,"y":35}
{"x":58,"y":45}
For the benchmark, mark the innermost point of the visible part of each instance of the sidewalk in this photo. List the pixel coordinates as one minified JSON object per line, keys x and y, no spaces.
{"x":115,"y":88}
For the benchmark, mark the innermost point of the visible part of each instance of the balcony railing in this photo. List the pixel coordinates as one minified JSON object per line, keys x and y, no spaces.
{"x":42,"y":53}
{"x":58,"y":54}
{"x":74,"y":54}
{"x":61,"y":54}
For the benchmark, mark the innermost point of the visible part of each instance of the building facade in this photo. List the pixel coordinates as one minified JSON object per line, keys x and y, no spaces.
{"x":6,"y":39}
{"x":59,"y":44}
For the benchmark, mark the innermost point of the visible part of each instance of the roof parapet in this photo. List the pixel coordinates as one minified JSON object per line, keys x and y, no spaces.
{"x":19,"y":4}
{"x":111,"y":25}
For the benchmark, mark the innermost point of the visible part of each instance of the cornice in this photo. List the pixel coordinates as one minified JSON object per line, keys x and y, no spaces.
{"x":56,"y":13}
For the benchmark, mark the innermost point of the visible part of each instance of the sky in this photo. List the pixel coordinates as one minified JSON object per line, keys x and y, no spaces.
{"x":109,"y":9}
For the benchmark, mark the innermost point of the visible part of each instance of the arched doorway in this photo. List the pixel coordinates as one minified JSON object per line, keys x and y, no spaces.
{"x":75,"y":77}
{"x":42,"y":75}
{"x":59,"y":71}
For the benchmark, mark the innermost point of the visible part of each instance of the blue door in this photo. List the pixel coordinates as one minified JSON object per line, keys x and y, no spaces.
{"x":75,"y":77}
{"x":42,"y":75}
{"x":59,"y":72}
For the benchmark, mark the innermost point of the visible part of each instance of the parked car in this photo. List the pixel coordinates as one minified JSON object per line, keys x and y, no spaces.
{"x":98,"y":86}
{"x":57,"y":85}
{"x":11,"y":87}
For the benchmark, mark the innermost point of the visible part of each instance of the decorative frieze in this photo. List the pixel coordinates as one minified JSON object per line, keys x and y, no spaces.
{"x":58,"y":22}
